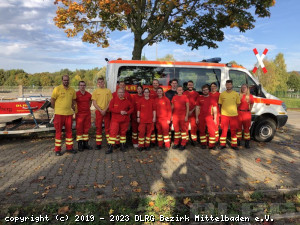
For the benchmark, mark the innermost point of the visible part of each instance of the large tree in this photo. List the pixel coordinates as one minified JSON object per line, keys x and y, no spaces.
{"x":195,"y":22}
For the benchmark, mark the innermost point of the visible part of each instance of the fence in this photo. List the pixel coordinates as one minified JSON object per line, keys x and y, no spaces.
{"x":286,"y":94}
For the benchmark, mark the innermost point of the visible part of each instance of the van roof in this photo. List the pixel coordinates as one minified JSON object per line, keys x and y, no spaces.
{"x":173,"y":63}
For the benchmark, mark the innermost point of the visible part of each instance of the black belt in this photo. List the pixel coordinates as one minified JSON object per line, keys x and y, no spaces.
{"x":244,"y":110}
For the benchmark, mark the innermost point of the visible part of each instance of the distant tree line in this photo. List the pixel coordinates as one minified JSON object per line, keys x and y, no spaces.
{"x":17,"y":77}
{"x":277,"y":79}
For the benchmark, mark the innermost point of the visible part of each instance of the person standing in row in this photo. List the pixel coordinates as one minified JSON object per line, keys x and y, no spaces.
{"x":192,"y":96}
{"x":173,"y":91}
{"x":163,"y":115}
{"x":120,"y":108}
{"x":229,"y":101}
{"x":146,"y":117}
{"x":244,"y":115}
{"x":134,"y":124}
{"x":155,"y":86}
{"x":63,"y":102}
{"x":206,"y":117}
{"x":83,"y":117}
{"x":101,"y":98}
{"x":180,"y":114}
{"x":215,"y":97}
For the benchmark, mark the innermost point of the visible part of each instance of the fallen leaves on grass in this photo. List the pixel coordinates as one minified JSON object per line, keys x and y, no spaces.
{"x":84,"y":189}
{"x":134,"y":184}
{"x":138,"y":190}
{"x":41,"y":178}
{"x":151,"y":204}
{"x":99,"y":185}
{"x":63,"y":210}
{"x":258,"y":160}
{"x":269,"y":161}
{"x":111,"y":211}
{"x":186,"y":201}
{"x":71,"y":187}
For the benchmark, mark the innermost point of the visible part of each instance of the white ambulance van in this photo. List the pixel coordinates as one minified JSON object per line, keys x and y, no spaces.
{"x":268,"y":113}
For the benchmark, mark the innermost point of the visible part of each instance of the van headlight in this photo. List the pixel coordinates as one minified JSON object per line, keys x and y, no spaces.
{"x":284,"y":106}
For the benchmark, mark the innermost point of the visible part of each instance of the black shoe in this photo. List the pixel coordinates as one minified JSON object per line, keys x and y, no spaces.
{"x":117,"y":146}
{"x":152,"y":145}
{"x":247,"y":144}
{"x":140,"y":149}
{"x":147,"y":148}
{"x":123,"y":148}
{"x":203,"y":146}
{"x":235,"y":148}
{"x":175,"y":146}
{"x":222,"y":147}
{"x":86,"y":145}
{"x":58,"y":154}
{"x":182,"y":147}
{"x":213,"y":148}
{"x":109,"y":150}
{"x":166,"y":149}
{"x":80,"y":146}
{"x":238,"y":142}
{"x":193,"y":143}
{"x":72,"y":151}
{"x":98,"y":147}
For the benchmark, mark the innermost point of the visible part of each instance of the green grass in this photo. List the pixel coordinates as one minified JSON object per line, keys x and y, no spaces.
{"x":291,"y":102}
{"x":157,"y":205}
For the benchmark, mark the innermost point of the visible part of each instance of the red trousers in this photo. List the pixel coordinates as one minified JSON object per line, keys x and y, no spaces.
{"x":180,"y":130}
{"x":59,"y":122}
{"x":192,"y":122}
{"x":208,"y":122}
{"x":99,"y":119}
{"x":244,"y":122}
{"x":134,"y":128}
{"x":231,"y":121}
{"x":153,"y":138}
{"x":145,"y":130}
{"x":117,"y":128}
{"x":83,"y":125}
{"x":163,"y":132}
{"x":217,"y":126}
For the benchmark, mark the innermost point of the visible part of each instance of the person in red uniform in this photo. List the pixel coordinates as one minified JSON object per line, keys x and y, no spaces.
{"x":134,"y":124}
{"x":120,"y":108}
{"x":153,"y":92}
{"x":244,"y":111}
{"x":163,"y":119}
{"x":83,"y":117}
{"x":206,"y":117}
{"x":153,"y":95}
{"x":215,"y":96}
{"x":146,"y":117}
{"x":180,"y":115}
{"x":121,"y":85}
{"x":192,"y":96}
{"x":63,"y":102}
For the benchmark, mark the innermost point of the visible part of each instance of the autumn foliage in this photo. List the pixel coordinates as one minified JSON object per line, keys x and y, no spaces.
{"x":195,"y":22}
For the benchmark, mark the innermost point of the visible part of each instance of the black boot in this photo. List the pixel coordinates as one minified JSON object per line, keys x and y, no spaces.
{"x":80,"y":146}
{"x":109,"y":150}
{"x":86,"y":145}
{"x":247,"y":144}
{"x":123,"y":147}
{"x":98,"y":147}
{"x":238,"y":142}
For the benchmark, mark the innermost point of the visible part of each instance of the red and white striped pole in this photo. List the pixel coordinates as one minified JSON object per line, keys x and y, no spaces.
{"x":260,"y":60}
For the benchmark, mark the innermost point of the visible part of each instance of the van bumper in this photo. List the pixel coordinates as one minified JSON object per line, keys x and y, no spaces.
{"x":281,"y":120}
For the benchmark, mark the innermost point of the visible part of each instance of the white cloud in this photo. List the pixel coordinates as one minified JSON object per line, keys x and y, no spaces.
{"x":238,"y":38}
{"x":37,"y":3}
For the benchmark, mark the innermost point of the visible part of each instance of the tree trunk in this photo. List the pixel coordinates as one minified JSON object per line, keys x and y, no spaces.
{"x":138,"y":47}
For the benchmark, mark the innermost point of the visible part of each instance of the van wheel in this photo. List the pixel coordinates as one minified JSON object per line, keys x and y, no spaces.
{"x":265,"y":130}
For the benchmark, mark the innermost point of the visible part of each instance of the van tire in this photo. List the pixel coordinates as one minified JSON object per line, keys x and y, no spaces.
{"x":265,"y":130}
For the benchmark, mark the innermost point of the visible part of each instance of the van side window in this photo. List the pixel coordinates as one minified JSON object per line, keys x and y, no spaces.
{"x":144,"y":75}
{"x":239,"y":78}
{"x":199,"y":76}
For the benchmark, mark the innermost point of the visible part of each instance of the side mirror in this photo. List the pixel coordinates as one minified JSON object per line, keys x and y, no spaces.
{"x":259,"y":91}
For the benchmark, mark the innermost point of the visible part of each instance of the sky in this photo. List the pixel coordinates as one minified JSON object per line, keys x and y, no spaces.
{"x":29,"y":40}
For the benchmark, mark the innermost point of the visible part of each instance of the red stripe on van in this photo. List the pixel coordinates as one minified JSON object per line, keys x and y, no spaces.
{"x":268,"y":101}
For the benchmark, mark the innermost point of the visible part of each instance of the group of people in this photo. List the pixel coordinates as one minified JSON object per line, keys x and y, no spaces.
{"x":151,"y":113}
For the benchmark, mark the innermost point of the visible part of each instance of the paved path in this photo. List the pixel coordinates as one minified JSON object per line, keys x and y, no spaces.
{"x":30,"y":172}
